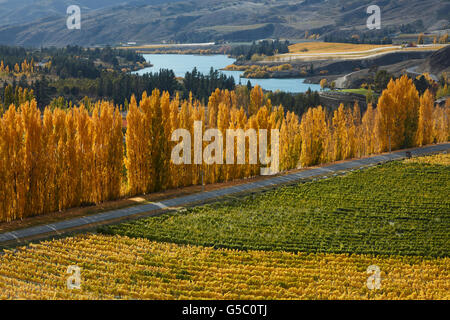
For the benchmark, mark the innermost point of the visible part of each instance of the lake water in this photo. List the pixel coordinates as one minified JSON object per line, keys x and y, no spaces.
{"x":182,"y":63}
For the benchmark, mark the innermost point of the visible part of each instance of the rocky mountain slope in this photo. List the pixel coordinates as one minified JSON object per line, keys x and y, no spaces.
{"x":153,"y":21}
{"x":437,"y":63}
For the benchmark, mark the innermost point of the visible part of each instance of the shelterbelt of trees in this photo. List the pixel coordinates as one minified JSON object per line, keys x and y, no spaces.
{"x":265,"y":47}
{"x":59,"y":159}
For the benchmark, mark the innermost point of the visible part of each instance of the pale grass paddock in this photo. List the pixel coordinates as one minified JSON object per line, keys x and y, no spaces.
{"x":324,"y":47}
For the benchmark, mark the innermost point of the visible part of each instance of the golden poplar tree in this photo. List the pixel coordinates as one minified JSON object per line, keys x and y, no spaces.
{"x":340,"y":134}
{"x":441,"y":123}
{"x":355,"y":131}
{"x":135,"y":148}
{"x":185,"y":122}
{"x":256,"y":100}
{"x":49,"y":144}
{"x":314,"y":135}
{"x":290,"y":142}
{"x":156,"y":142}
{"x":198,"y":114}
{"x":175,"y":170}
{"x":84,"y":149}
{"x":165,"y":150}
{"x":424,"y":134}
{"x":368,"y":138}
{"x":33,"y":167}
{"x":397,"y":115}
{"x":12,"y":155}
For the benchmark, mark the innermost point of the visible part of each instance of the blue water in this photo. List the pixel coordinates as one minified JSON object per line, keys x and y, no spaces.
{"x":182,"y":63}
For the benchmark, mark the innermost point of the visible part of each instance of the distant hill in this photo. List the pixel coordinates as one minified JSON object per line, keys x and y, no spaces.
{"x":438,"y":62}
{"x":43,"y":23}
{"x":14,"y":12}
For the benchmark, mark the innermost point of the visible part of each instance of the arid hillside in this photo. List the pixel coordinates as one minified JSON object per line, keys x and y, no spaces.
{"x":155,"y":21}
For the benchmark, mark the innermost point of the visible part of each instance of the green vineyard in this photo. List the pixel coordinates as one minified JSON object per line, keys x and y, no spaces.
{"x":401,"y":208}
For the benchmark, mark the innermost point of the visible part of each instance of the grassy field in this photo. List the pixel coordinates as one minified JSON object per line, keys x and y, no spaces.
{"x":123,"y":268}
{"x":398,"y":208}
{"x":439,"y":159}
{"x":325,"y":47}
{"x":166,"y":46}
{"x":361,"y":91}
{"x":329,"y":50}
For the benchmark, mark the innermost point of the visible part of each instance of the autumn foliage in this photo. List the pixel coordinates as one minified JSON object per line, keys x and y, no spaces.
{"x":59,"y":159}
{"x":25,"y":67}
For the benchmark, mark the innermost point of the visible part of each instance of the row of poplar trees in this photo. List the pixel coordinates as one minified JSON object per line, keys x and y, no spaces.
{"x":59,"y":159}
{"x":402,"y":119}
